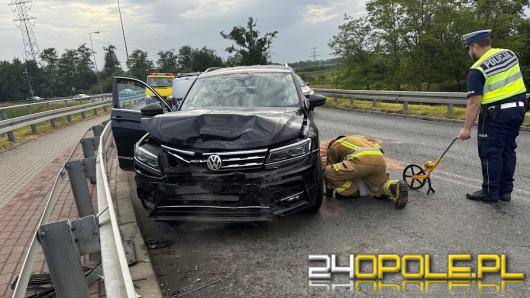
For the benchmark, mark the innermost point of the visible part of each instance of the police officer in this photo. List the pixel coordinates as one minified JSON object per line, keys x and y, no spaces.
{"x":356,"y":158}
{"x":496,"y":91}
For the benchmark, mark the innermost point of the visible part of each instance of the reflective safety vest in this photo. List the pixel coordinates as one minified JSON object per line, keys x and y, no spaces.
{"x":360,"y":151}
{"x":503,"y":75}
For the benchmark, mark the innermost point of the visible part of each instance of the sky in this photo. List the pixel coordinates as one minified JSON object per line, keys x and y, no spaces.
{"x":164,"y":24}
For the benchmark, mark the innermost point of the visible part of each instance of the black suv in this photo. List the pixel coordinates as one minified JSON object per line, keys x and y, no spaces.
{"x":243,"y":146}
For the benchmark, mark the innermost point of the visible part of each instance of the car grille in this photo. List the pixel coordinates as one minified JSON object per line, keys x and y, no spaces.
{"x":230,"y":160}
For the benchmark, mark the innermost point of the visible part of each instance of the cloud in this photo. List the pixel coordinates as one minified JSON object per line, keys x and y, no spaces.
{"x":165,"y":24}
{"x":199,"y":9}
{"x":318,"y":14}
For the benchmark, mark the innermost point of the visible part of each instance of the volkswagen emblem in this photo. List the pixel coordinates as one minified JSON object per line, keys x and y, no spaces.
{"x":214,"y":162}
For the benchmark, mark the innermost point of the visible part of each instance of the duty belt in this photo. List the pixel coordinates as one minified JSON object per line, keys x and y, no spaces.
{"x":504,"y":106}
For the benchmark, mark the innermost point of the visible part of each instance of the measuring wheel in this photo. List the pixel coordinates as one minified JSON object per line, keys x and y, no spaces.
{"x":414,"y":170}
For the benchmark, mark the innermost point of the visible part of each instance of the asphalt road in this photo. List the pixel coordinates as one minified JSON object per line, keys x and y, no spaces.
{"x":270,"y":260}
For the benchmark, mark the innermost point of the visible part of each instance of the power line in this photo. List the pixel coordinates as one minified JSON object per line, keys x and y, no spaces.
{"x":314,"y":54}
{"x":25,"y":23}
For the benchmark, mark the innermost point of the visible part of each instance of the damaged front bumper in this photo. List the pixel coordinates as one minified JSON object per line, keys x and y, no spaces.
{"x":197,"y":194}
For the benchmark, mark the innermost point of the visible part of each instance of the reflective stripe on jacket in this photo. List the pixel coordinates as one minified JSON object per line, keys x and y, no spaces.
{"x":502,"y":72}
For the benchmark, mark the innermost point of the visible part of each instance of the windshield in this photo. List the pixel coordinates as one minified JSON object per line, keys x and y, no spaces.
{"x":160,"y":82}
{"x":243,"y":90}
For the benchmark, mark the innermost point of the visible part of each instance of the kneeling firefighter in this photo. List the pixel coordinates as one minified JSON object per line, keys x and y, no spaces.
{"x":351,"y":159}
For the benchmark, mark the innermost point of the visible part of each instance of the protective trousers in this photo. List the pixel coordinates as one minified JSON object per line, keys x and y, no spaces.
{"x":497,"y":131}
{"x":342,"y":176}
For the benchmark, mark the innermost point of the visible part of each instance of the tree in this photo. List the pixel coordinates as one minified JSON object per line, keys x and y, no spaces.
{"x":139,"y":64}
{"x":252,"y":48}
{"x":112,"y":64}
{"x":417,"y":44}
{"x":167,"y":61}
{"x":50,"y":60}
{"x":201,"y":59}
{"x":184,"y":59}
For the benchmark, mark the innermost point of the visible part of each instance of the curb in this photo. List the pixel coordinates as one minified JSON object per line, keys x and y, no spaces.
{"x":418,"y":117}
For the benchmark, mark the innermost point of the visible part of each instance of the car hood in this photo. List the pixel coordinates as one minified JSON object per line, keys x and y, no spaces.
{"x":230,"y":130}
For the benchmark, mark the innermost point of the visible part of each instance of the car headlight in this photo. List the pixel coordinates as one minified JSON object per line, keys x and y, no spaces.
{"x":146,"y":157}
{"x":290,"y":152}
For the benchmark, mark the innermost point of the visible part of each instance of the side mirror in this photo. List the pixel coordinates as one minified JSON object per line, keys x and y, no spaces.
{"x":316,"y":100}
{"x":151,"y":110}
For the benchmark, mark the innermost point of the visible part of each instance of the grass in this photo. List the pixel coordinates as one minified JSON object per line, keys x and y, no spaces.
{"x":41,"y":107}
{"x":437,"y":111}
{"x":24,"y":134}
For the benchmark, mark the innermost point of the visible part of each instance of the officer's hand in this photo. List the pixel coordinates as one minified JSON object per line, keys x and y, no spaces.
{"x":464,"y":134}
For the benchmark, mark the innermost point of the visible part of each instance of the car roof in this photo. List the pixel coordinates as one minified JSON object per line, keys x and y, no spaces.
{"x":246,"y":69}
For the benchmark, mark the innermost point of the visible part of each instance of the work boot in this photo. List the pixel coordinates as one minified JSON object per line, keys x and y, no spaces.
{"x":479,"y":195}
{"x":329,"y":193}
{"x":506,"y":197}
{"x":401,"y":194}
{"x":352,"y":196}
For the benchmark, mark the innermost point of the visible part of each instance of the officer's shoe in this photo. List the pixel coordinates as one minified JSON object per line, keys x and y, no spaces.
{"x":506,"y":197}
{"x":401,"y":194}
{"x":479,"y":195}
{"x":352,"y":196}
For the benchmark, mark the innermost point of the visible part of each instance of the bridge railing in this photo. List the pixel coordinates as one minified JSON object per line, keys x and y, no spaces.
{"x":83,"y":239}
{"x":29,"y":116}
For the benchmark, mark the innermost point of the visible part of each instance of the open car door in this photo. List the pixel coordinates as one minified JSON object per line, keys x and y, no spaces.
{"x":129,"y":96}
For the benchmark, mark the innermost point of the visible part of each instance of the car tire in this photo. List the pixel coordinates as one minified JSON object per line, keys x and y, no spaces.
{"x":319,"y":193}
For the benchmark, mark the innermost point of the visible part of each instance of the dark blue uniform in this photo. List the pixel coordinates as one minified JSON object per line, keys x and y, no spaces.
{"x":497,"y":131}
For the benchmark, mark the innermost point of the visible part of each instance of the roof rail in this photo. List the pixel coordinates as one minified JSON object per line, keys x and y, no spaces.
{"x":212,"y":69}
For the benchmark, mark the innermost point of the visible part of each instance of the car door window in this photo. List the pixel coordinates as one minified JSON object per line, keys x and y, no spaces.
{"x":133,"y":95}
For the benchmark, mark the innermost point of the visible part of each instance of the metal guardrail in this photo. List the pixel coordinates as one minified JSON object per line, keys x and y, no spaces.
{"x":118,"y":281}
{"x":8,"y":125}
{"x":450,"y":99}
{"x":64,"y":242}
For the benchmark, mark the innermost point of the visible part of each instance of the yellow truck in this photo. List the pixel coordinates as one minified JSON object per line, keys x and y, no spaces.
{"x":162,"y":83}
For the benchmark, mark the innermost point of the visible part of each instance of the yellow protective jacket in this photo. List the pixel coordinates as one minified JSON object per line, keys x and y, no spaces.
{"x":357,"y":148}
{"x":503,"y":75}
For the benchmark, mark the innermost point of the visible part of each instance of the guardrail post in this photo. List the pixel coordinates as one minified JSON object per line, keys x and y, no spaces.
{"x":405,"y":107}
{"x":69,"y":118}
{"x":351,"y":103}
{"x":11,"y":136}
{"x":33,"y":128}
{"x":88,"y":147}
{"x":65,"y":103}
{"x":97,"y":130}
{"x":2,"y":117}
{"x":95,"y":112}
{"x":29,"y":109}
{"x":374,"y":103}
{"x":89,"y":165}
{"x":77,"y":177}
{"x":83,"y":115}
{"x":53,"y":123}
{"x":48,"y":106}
{"x":63,"y":260}
{"x":450,"y":110}
{"x":335,"y":101}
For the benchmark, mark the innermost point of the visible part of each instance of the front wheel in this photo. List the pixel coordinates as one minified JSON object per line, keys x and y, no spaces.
{"x":319,"y":193}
